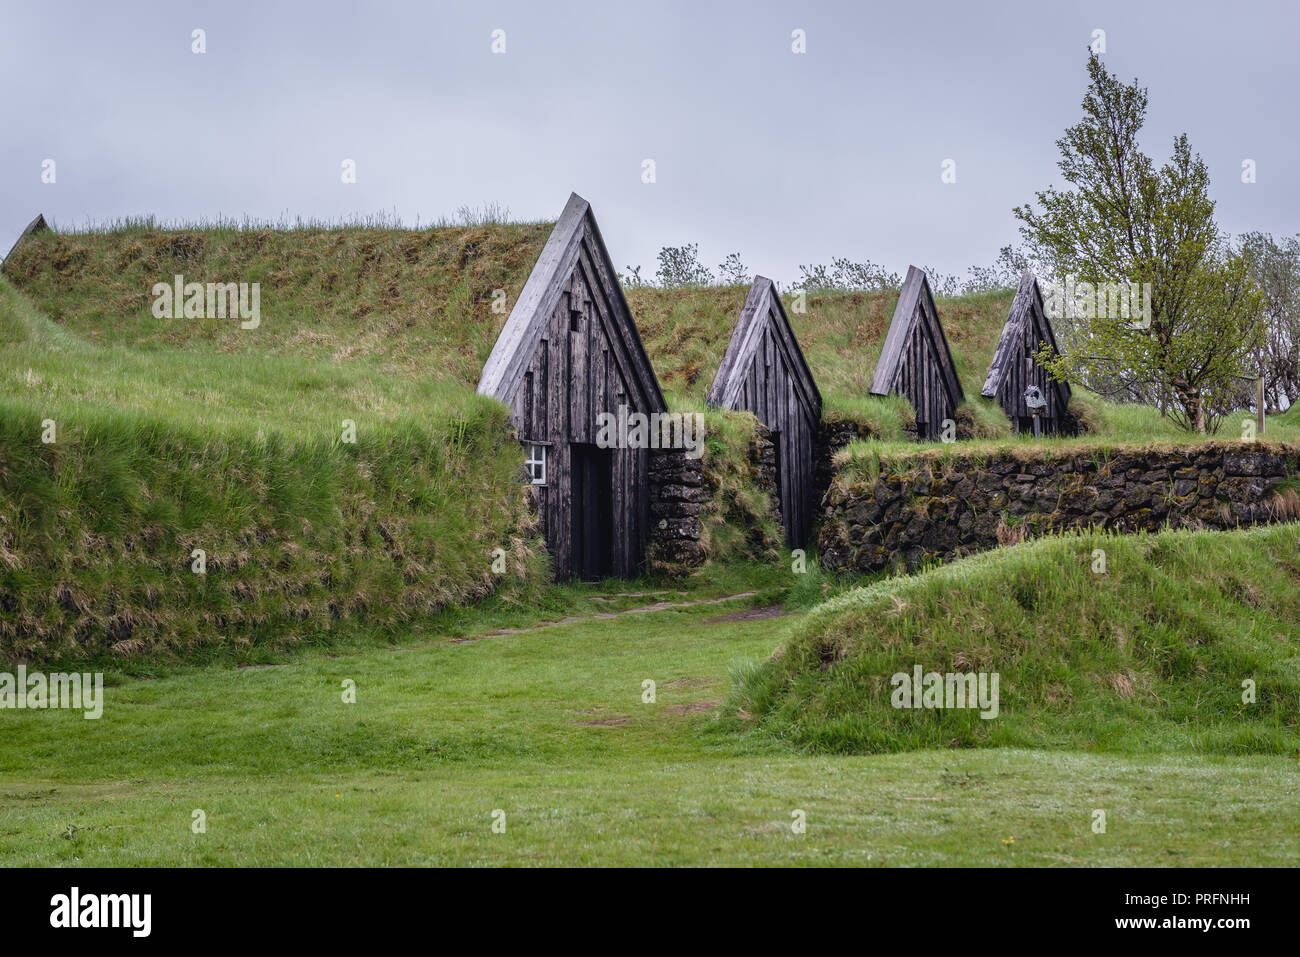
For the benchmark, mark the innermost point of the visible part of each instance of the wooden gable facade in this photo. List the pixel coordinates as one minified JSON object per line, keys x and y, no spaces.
{"x":763,"y":371}
{"x":916,"y":362}
{"x":37,"y":225}
{"x":568,"y":352}
{"x":1014,"y":370}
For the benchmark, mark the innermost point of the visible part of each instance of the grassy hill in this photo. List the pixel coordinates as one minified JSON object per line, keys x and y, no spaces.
{"x":1149,"y":656}
{"x":418,"y":303}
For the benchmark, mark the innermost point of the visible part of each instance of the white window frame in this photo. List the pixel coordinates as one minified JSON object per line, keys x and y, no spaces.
{"x":530,"y":463}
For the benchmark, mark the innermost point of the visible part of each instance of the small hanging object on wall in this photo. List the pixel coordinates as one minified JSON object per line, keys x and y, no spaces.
{"x":1036,"y":404}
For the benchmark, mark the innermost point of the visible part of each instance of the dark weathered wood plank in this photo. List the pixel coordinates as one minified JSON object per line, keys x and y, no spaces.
{"x":1013,"y":369}
{"x":764,"y":371}
{"x":625,"y":329}
{"x":916,"y":361}
{"x":570,"y":350}
{"x":37,"y":225}
{"x":762,"y":316}
{"x":531,"y":313}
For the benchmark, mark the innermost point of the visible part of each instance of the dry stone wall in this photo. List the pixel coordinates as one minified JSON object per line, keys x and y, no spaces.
{"x":683,"y":491}
{"x":679,"y":487}
{"x":943,"y":505}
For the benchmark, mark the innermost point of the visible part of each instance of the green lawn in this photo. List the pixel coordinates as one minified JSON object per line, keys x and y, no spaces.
{"x":549,"y":727}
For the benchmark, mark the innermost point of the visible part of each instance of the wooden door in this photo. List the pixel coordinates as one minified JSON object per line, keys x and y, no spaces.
{"x":592,"y":471}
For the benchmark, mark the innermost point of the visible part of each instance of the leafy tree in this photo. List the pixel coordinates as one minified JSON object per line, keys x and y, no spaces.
{"x":1003,"y":274}
{"x":1275,"y":268}
{"x":1122,"y":222}
{"x":845,"y":275}
{"x":942,"y":283}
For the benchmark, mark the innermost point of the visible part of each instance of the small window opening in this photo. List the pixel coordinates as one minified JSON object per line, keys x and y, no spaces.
{"x":535,"y":464}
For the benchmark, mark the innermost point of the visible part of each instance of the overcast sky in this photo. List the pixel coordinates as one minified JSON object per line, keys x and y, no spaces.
{"x":786,"y":158}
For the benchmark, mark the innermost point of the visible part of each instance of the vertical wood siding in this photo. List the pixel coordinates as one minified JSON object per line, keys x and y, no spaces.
{"x":1014,"y":369}
{"x":915,"y":361}
{"x":764,"y":372}
{"x":568,"y":352}
{"x":569,"y":381}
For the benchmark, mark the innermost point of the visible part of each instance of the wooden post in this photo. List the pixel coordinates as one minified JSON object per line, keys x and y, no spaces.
{"x":1259,"y":405}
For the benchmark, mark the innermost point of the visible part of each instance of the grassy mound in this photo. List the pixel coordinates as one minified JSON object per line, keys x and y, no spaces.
{"x":1151,"y":655}
{"x":417,"y":301}
{"x":420,"y":304}
{"x":424,"y":306}
{"x":157,"y":453}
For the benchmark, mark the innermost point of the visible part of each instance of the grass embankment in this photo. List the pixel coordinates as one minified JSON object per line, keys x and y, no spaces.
{"x":841,"y":334}
{"x":1150,"y":655}
{"x":866,"y":461}
{"x":1111,"y":426}
{"x":160,"y":452}
{"x":419,"y":304}
{"x":550,"y":727}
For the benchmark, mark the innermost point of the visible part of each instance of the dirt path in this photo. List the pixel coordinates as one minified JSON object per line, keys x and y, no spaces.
{"x":641,"y":610}
{"x":762,"y":613}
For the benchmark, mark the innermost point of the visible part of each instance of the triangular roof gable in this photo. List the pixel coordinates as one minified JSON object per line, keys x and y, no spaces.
{"x":35,"y":226}
{"x":915,"y":306}
{"x":574,"y":244}
{"x":763,"y":309}
{"x":1027,"y":306}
